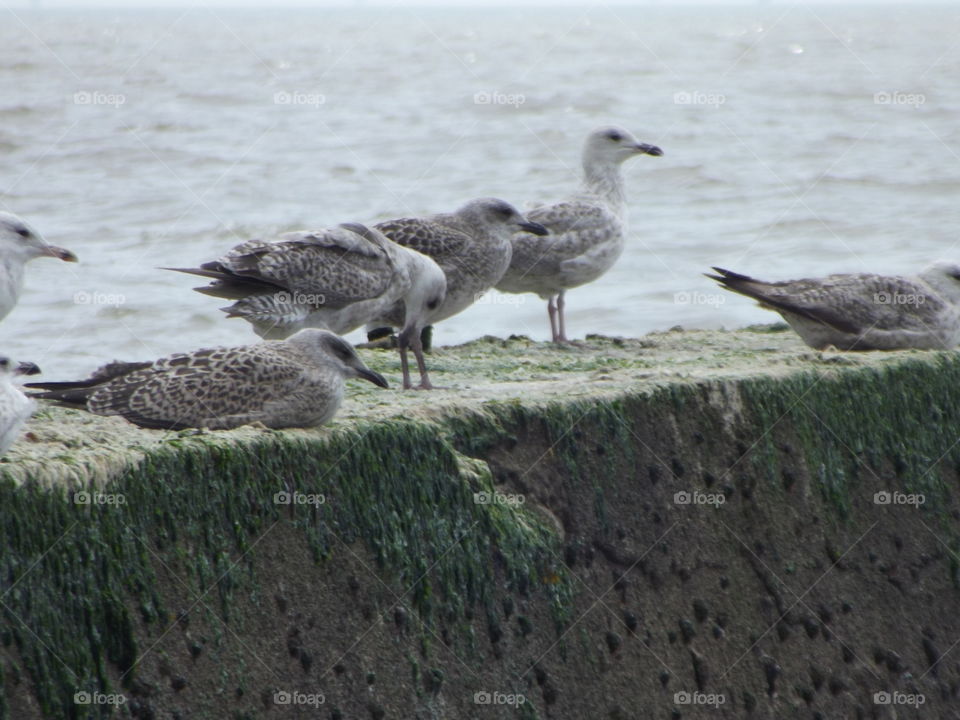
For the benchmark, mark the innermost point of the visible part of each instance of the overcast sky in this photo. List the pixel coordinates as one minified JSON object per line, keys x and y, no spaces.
{"x":459,"y":3}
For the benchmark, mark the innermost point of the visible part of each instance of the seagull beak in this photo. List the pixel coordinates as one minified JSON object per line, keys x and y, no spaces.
{"x":533,"y":227}
{"x":27,"y":368}
{"x":645,"y":149}
{"x":365,"y":373}
{"x":59,"y":252}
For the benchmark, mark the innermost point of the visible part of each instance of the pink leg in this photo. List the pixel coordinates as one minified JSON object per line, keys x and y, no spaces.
{"x":417,"y":347}
{"x":404,"y":366}
{"x":560,"y":305}
{"x":552,"y":311}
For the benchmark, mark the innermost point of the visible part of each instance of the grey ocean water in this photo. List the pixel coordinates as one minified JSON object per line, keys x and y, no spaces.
{"x":798,"y":140}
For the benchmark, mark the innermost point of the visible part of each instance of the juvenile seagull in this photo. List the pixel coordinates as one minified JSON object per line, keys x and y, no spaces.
{"x":586,"y":229}
{"x":471,"y":245}
{"x":338,"y":278}
{"x":864,"y":311}
{"x":15,"y":407}
{"x":20,"y":243}
{"x":297,"y":382}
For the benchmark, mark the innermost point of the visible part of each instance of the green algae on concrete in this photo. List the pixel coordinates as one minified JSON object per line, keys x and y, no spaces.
{"x":398,"y":471}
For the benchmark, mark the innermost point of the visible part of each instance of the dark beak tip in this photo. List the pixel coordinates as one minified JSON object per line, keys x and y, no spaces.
{"x":655,"y":151}
{"x":28,"y":368}
{"x":535,"y":228}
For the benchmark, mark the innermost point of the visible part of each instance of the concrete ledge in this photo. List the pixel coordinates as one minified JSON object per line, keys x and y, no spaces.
{"x":774,"y":580}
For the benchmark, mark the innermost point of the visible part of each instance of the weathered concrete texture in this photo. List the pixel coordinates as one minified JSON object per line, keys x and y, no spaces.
{"x":775,"y":583}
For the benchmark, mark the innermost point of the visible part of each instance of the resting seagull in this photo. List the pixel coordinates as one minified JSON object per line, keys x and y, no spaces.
{"x":15,"y":407}
{"x":297,"y":382}
{"x":471,"y":245}
{"x":338,"y":278}
{"x":586,"y":230}
{"x":20,"y":243}
{"x":863,"y":311}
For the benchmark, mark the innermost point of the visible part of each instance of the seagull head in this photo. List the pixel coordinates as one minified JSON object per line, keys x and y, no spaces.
{"x":17,"y":239}
{"x":611,"y":145}
{"x":331,"y":349}
{"x":499,"y":216}
{"x":427,"y":292}
{"x":944,"y":277}
{"x":8,"y":367}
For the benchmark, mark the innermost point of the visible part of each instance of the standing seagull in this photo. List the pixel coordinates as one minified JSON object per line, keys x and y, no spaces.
{"x":15,"y":407}
{"x":471,"y":245}
{"x":864,"y":311}
{"x":339,"y":278}
{"x":291,"y":383}
{"x":586,"y":230}
{"x":20,"y":243}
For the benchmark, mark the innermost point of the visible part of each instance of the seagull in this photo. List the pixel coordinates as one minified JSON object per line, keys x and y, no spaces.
{"x":15,"y":407}
{"x":863,"y":311}
{"x":472,"y":246}
{"x":20,"y":243}
{"x":297,"y":382}
{"x":586,"y":230}
{"x":337,"y":278}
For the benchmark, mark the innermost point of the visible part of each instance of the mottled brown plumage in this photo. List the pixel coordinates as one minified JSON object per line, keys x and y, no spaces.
{"x":294,"y":383}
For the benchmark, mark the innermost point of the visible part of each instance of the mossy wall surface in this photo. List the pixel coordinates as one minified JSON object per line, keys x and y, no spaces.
{"x":188,"y":588}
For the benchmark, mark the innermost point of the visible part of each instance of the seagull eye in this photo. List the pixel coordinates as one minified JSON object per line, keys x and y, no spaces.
{"x":615,"y":136}
{"x":23,"y":232}
{"x":433,"y":304}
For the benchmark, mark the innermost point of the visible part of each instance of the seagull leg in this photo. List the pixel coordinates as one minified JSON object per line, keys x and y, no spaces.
{"x":560,"y":305}
{"x":417,"y":347}
{"x":405,"y":367}
{"x":552,"y":312}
